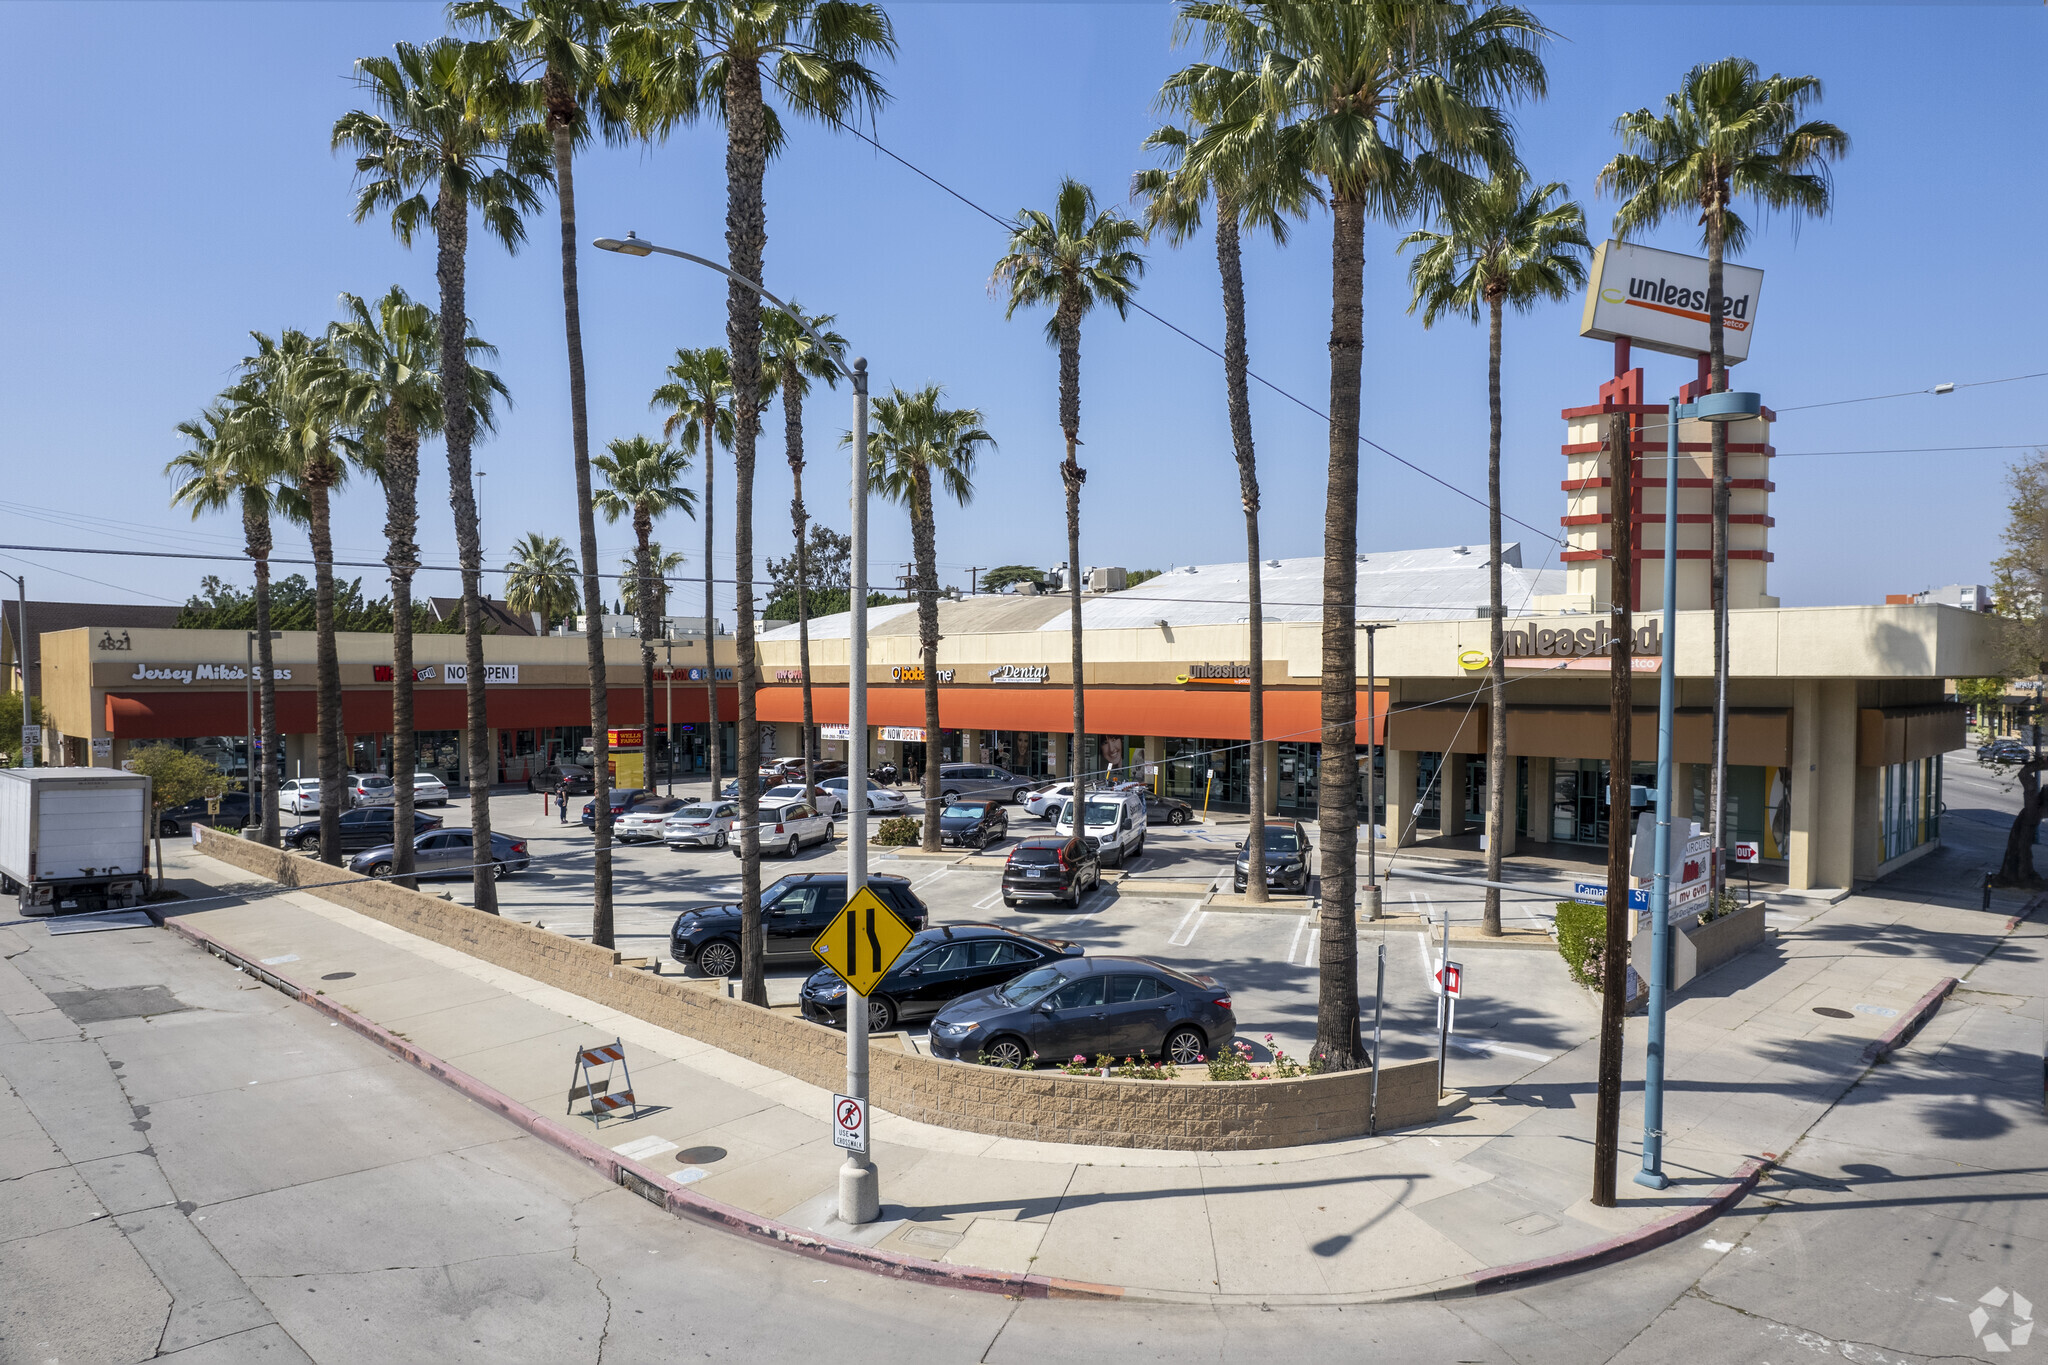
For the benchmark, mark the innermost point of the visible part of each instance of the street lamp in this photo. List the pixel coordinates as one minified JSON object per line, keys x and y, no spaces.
{"x":28,"y":754}
{"x":1713,"y":407}
{"x":859,"y":1187}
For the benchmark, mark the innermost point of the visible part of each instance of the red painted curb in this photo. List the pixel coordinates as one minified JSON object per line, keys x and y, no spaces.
{"x":650,"y":1184}
{"x":1628,"y":1244}
{"x":1901,"y":1033}
{"x":2025,"y":911}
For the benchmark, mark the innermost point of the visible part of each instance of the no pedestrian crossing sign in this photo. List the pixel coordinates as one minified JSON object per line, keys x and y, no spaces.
{"x":849,"y":1123}
{"x":862,"y":942}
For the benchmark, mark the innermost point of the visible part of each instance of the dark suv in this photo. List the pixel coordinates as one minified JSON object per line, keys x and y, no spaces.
{"x":794,"y":911}
{"x":1287,"y":852}
{"x":1050,"y":870}
{"x":363,"y":827}
{"x":623,"y":799}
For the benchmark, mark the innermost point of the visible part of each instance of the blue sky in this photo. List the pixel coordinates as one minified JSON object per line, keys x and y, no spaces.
{"x":187,"y":196}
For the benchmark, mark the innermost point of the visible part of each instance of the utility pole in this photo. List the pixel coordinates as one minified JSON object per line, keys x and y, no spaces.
{"x":860,"y":1199}
{"x":974,"y":580}
{"x":1372,"y":782}
{"x":1621,"y":674}
{"x":21,"y":639}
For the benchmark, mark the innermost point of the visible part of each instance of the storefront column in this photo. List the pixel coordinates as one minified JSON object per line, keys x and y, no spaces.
{"x":1450,"y":791}
{"x":970,"y":746}
{"x":1823,"y":783}
{"x":1400,"y":797}
{"x":1539,"y":800}
{"x":1155,"y":758}
{"x":1058,"y":745}
{"x":1269,"y":755}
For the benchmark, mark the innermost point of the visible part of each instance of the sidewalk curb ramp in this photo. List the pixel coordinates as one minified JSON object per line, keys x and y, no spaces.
{"x":652,"y":1186}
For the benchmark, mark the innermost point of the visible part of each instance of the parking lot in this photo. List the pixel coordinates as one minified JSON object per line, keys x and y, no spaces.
{"x":1519,"y":1009}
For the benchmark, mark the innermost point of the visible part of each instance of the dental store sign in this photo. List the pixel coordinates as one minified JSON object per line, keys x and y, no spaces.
{"x":1658,"y":300}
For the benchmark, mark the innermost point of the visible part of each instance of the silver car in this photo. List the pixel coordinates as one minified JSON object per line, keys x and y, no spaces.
{"x":830,"y":803}
{"x":299,"y":796}
{"x":645,"y":819}
{"x":372,"y":789}
{"x":700,"y":824}
{"x":428,"y":790}
{"x":881,"y":799}
{"x":984,"y":780}
{"x":786,"y":829}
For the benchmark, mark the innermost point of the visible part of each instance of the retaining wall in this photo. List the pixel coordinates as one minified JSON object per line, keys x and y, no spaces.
{"x":1045,"y":1106}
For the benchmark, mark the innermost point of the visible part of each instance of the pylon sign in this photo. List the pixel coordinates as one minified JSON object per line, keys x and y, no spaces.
{"x":863,"y":942}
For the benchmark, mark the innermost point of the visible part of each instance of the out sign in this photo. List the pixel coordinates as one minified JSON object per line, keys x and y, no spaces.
{"x":1748,"y":853}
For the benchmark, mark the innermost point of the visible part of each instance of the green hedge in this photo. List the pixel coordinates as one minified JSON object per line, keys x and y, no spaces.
{"x":1581,"y":937}
{"x":898,"y":831}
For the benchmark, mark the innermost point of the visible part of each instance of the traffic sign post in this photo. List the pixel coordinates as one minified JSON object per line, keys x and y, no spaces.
{"x":850,"y":1123}
{"x":862,"y":943}
{"x":860,"y":1190}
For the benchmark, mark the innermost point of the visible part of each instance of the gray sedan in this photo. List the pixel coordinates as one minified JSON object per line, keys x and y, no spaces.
{"x":446,"y":853}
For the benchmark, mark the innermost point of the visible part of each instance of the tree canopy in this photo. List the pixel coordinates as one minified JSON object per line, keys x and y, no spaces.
{"x":220,"y":605}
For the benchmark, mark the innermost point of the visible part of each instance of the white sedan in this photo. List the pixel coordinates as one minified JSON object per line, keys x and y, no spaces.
{"x":827,"y":803}
{"x":703,"y":823}
{"x":428,"y":790}
{"x":300,"y":796}
{"x":645,"y":819}
{"x":881,"y":799}
{"x":1044,"y":802}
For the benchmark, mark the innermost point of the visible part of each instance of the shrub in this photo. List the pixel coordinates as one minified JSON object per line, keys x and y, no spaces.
{"x":1581,"y":938}
{"x":898,"y":831}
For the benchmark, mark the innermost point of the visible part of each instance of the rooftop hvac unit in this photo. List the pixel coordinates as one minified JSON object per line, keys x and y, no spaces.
{"x":1106,"y":580}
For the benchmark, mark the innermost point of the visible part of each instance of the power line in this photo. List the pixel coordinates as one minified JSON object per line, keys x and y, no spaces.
{"x":1907,"y":450}
{"x":1915,"y":393}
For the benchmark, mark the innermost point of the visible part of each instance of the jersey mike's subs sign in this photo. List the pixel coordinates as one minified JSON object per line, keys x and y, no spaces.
{"x":1658,"y":300}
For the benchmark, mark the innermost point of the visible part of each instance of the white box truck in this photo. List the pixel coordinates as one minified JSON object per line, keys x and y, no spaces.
{"x":74,"y":839}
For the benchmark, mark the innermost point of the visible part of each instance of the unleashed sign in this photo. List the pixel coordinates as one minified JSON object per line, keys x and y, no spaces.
{"x":1537,"y":646}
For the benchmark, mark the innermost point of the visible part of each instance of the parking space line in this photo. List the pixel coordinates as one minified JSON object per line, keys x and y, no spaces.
{"x":1133,"y":866}
{"x":988,"y":902}
{"x":1190,"y":924}
{"x":1295,"y":943}
{"x":1315,"y":941}
{"x":1482,"y":1045}
{"x":927,"y":881}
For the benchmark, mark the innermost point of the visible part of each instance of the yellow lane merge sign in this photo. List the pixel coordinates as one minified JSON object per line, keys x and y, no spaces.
{"x":863,"y":942}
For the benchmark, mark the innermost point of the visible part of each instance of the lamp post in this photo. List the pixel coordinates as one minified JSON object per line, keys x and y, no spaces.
{"x":668,"y":707}
{"x":859,"y":1187}
{"x":1713,"y":407}
{"x":28,"y":756}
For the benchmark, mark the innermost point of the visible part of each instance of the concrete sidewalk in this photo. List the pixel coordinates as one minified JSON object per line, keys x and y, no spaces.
{"x":1501,"y":1181}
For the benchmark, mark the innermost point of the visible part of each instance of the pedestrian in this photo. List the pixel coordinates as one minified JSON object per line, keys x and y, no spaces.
{"x":562,"y":800}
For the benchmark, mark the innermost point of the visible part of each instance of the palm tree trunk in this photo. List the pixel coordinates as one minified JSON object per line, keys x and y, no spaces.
{"x":1338,"y":1044}
{"x":451,"y":224}
{"x":586,"y":525}
{"x":1718,"y":380}
{"x":711,"y":738}
{"x":1072,"y":476}
{"x":401,"y":521}
{"x":1496,"y":668}
{"x":924,"y":548}
{"x":1230,"y":265}
{"x":645,"y":599}
{"x":793,"y":443}
{"x":327,"y":663}
{"x":256,"y":529}
{"x":1620,"y":921}
{"x":746,"y":235}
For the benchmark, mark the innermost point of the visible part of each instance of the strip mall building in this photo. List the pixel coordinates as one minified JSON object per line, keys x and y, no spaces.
{"x":1839,"y":715}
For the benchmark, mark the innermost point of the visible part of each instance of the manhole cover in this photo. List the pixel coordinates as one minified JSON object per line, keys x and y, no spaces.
{"x":1831,"y":1012}
{"x":700,"y":1156}
{"x":119,"y":1002}
{"x":337,"y":976}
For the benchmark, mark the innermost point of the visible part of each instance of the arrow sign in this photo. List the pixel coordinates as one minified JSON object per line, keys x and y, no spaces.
{"x":862,"y":942}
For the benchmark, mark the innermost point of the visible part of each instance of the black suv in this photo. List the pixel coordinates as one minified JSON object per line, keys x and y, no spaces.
{"x":623,"y":799}
{"x":939,"y":965}
{"x":549,"y":779}
{"x":363,"y":827}
{"x":1050,"y":870}
{"x":973,"y":823}
{"x":235,"y":812}
{"x":794,"y":911}
{"x":1287,"y":850}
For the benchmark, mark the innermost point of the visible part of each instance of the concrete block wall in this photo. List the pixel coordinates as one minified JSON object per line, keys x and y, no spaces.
{"x":1045,"y":1106}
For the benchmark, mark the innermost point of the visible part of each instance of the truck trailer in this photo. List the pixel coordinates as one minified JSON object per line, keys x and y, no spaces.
{"x":74,"y":839}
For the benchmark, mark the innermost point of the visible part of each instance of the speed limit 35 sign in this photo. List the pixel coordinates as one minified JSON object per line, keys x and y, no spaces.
{"x":849,"y":1123}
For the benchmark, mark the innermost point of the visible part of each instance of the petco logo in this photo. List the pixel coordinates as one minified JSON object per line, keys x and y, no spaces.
{"x":2016,"y":1326}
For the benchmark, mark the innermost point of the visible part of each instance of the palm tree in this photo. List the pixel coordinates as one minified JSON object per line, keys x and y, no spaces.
{"x":541,"y":578}
{"x":663,"y":566}
{"x":1071,"y":260}
{"x":1503,"y":245}
{"x":643,"y":479}
{"x":566,"y":43}
{"x":1389,"y":105}
{"x":1728,"y":132}
{"x":300,"y":380}
{"x":914,"y":443}
{"x":451,"y":123}
{"x":698,"y":397}
{"x":392,"y":395}
{"x":719,"y":53}
{"x":1259,"y":190}
{"x":790,"y":360}
{"x":236,"y":461}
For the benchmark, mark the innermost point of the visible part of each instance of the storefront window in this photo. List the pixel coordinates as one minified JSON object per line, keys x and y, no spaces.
{"x":1189,"y":762}
{"x":439,"y":752}
{"x":1909,"y":811}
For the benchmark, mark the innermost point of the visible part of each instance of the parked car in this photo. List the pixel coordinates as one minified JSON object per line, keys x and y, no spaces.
{"x":300,"y":796}
{"x":1122,"y":1006}
{"x":365,"y":827}
{"x":789,"y":827}
{"x":428,"y":790}
{"x":447,"y":853}
{"x":794,"y":911}
{"x":623,"y":799}
{"x":1113,"y":821}
{"x":980,"y":779}
{"x":1158,"y":805}
{"x":1044,"y":801}
{"x":1050,"y":870}
{"x":371,"y":789}
{"x":1287,"y":852}
{"x":706,"y":824}
{"x":973,"y":824}
{"x":2005,"y":751}
{"x":827,"y":802}
{"x":234,"y":813}
{"x":645,"y":819}
{"x":882,"y":800}
{"x":549,"y":779}
{"x":939,"y":966}
{"x":779,"y":770}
